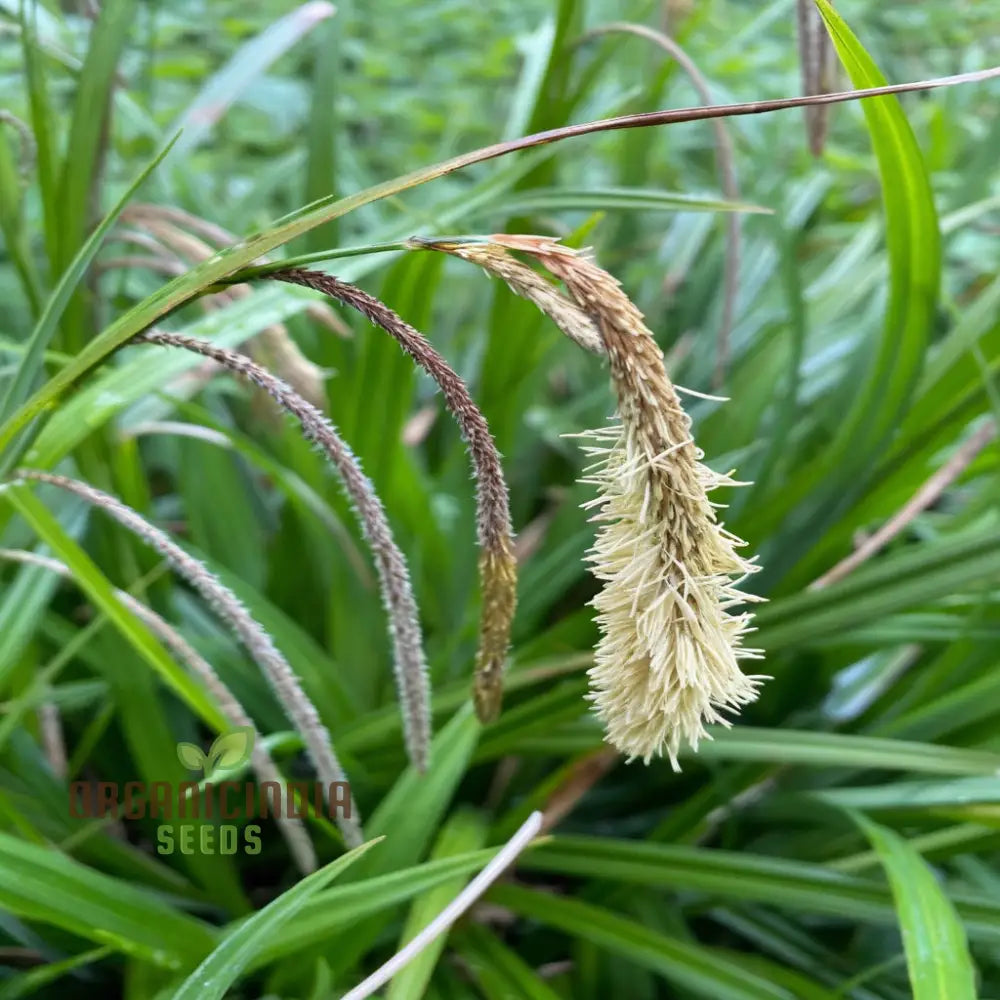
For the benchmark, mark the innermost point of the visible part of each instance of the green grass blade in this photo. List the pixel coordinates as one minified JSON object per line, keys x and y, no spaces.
{"x":220,"y":970}
{"x":885,"y":372}
{"x":84,"y":153}
{"x":912,"y":236}
{"x":410,"y":813}
{"x":23,"y":602}
{"x":324,"y":135}
{"x":544,"y":95}
{"x":937,"y":953}
{"x":893,"y":583}
{"x":499,"y":972}
{"x":31,"y":983}
{"x":795,"y":885}
{"x":621,"y":199}
{"x":813,"y":749}
{"x":40,"y":883}
{"x":335,"y":911}
{"x":42,"y":120}
{"x":915,"y":794}
{"x":462,"y":833}
{"x":693,"y":968}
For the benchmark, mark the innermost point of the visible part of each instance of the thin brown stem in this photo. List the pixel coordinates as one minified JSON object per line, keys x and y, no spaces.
{"x":816,"y":64}
{"x":929,"y":493}
{"x":580,"y":778}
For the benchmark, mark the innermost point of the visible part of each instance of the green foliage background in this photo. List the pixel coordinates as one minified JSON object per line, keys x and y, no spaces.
{"x":841,"y":840}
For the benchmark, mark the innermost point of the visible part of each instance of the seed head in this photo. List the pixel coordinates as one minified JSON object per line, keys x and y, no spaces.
{"x":668,"y":659}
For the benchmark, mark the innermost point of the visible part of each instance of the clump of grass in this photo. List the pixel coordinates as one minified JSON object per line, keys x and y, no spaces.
{"x":497,"y":564}
{"x":293,"y":830}
{"x":394,"y":577}
{"x":250,"y":632}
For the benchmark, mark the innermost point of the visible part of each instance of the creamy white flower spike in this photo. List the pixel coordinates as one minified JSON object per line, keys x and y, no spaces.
{"x":667,"y":662}
{"x":668,"y":659}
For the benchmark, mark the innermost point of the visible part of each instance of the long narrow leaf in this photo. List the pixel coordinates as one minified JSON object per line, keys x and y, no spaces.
{"x":31,"y":362}
{"x":212,"y":979}
{"x":41,"y":883}
{"x":704,"y":972}
{"x":937,"y":953}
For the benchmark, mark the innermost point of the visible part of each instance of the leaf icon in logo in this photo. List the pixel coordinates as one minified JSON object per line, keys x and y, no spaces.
{"x":231,"y":749}
{"x":191,"y":756}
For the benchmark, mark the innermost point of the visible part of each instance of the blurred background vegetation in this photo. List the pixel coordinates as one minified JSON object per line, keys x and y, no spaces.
{"x":857,"y":803}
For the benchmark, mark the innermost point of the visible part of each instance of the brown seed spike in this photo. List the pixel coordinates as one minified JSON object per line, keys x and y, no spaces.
{"x":497,"y":566}
{"x":529,"y":284}
{"x":412,"y":680}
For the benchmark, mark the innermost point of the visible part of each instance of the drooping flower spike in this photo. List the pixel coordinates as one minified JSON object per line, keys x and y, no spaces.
{"x":667,"y":662}
{"x":412,"y":680}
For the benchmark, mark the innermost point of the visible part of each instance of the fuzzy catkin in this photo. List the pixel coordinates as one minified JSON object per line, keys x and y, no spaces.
{"x":231,"y":610}
{"x":394,"y":577}
{"x":667,"y":662}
